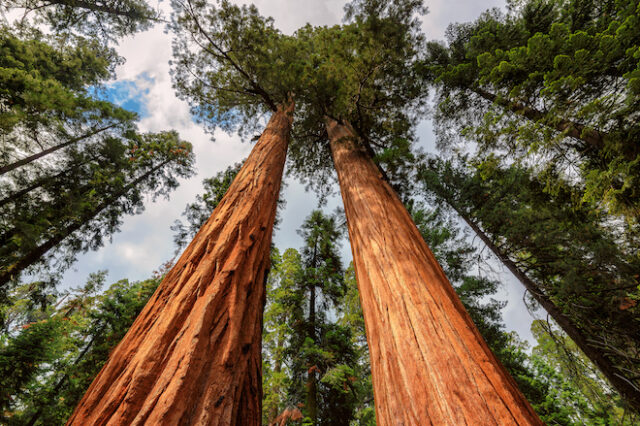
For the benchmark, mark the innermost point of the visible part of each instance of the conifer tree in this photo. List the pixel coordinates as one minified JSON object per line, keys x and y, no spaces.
{"x":581,"y":273}
{"x":319,"y":351}
{"x":88,"y":204}
{"x":228,"y":259}
{"x":72,"y":165}
{"x":351,"y":317}
{"x":103,"y":19}
{"x":311,"y":361}
{"x":78,"y":330}
{"x":278,"y":319}
{"x":402,"y":287}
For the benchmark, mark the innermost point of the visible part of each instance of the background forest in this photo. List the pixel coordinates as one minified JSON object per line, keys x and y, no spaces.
{"x":511,"y":137}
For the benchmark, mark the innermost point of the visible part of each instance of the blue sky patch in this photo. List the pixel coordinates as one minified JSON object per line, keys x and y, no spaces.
{"x":128,"y":94}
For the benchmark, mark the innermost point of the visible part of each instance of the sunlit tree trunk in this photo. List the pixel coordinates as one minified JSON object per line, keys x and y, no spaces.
{"x":430,"y":365}
{"x":193,"y":355}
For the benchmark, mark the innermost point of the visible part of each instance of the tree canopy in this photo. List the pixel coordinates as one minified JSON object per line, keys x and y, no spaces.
{"x":72,"y":164}
{"x":103,"y":19}
{"x":552,"y":83}
{"x":232,"y":65}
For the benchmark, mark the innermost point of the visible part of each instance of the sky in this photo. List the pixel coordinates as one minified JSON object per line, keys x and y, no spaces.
{"x":143,"y":84}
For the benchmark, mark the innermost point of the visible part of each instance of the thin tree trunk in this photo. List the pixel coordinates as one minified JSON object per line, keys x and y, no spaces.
{"x":37,"y":156}
{"x":60,"y":383}
{"x":36,"y":253}
{"x":41,"y":182}
{"x":102,"y":8}
{"x":430,"y":365}
{"x":277,"y":369}
{"x":593,"y":138}
{"x":193,"y":355}
{"x":312,"y":386}
{"x":628,"y":391}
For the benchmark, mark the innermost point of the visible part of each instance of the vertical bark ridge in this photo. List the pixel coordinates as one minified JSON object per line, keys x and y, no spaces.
{"x":193,"y":355}
{"x":430,"y":365}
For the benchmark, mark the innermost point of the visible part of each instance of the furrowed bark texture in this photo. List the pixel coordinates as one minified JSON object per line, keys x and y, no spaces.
{"x":193,"y":355}
{"x":429,"y":363}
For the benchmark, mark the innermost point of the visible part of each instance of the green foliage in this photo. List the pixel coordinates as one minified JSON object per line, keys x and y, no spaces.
{"x":44,"y":81}
{"x":362,"y":72}
{"x":77,"y":211}
{"x":351,"y":317}
{"x":72,"y":165}
{"x":574,"y":381}
{"x":587,"y":270}
{"x":103,"y":19}
{"x":232,"y":65}
{"x":551,"y":84}
{"x":47,"y":365}
{"x":285,"y":273}
{"x":22,"y":356}
{"x":310,"y":362}
{"x":229,"y":63}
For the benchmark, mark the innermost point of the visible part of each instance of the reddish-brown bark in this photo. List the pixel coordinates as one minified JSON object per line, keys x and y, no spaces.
{"x":193,"y":354}
{"x":429,"y":363}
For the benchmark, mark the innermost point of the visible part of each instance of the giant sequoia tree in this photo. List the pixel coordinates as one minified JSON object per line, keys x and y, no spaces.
{"x":370,"y":98}
{"x":209,"y":303}
{"x":217,"y":284}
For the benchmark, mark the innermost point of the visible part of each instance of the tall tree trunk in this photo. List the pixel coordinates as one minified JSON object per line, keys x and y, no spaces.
{"x":37,"y":156}
{"x":36,"y":253}
{"x":193,"y":355}
{"x":626,"y":389}
{"x":430,"y":365}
